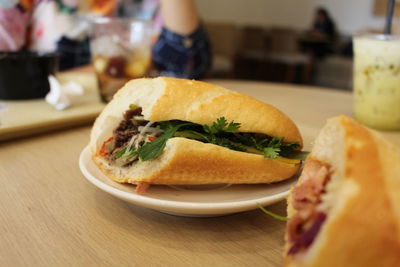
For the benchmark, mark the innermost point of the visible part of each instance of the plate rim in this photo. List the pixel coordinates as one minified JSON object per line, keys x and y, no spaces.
{"x":173,"y":205}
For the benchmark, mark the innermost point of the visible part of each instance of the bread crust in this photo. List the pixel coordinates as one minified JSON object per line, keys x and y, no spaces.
{"x":187,"y":161}
{"x":362,"y":228}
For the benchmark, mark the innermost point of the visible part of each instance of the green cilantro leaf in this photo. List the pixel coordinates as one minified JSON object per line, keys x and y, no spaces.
{"x":225,"y":142}
{"x":166,"y":125}
{"x":275,"y":142}
{"x":154,"y":148}
{"x":221,"y":125}
{"x":233,"y":126}
{"x":275,"y":147}
{"x":271,"y":152}
{"x":127,"y":152}
{"x":192,"y":135}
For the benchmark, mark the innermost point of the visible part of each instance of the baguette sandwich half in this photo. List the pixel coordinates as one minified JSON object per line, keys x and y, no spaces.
{"x":345,"y":209}
{"x":177,"y":131}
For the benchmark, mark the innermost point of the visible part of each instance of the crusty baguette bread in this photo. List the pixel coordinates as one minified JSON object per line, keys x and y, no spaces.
{"x":187,"y":161}
{"x":362,"y":200}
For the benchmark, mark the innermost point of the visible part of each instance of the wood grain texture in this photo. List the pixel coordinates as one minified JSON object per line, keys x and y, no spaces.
{"x":51,"y":216}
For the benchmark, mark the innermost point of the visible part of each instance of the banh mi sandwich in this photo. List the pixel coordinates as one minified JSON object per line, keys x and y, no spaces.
{"x":177,"y":131}
{"x":345,"y":208}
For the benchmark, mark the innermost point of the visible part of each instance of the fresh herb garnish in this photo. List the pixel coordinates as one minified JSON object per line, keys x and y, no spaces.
{"x":273,"y":215}
{"x":213,"y":138}
{"x":219,"y":133}
{"x":271,"y":152}
{"x":192,"y":135}
{"x":154,"y":148}
{"x":121,"y":152}
{"x":127,"y":152}
{"x":225,"y":142}
{"x":221,"y":125}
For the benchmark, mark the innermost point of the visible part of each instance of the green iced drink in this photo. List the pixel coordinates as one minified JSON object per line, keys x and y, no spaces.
{"x":377,"y":81}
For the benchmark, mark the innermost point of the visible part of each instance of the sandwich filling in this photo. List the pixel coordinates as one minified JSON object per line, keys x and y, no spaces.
{"x":137,"y":139}
{"x":304,"y":226}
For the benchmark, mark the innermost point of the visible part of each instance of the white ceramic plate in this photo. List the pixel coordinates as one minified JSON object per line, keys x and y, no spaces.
{"x":213,"y":200}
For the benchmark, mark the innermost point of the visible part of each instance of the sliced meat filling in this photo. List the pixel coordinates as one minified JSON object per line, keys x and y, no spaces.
{"x":304,"y":226}
{"x":127,"y":127}
{"x":132,"y":132}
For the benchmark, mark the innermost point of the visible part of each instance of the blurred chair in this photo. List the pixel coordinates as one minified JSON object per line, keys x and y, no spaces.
{"x":224,"y":38}
{"x":250,"y":59}
{"x":283,"y":49}
{"x":252,"y":42}
{"x":283,"y":40}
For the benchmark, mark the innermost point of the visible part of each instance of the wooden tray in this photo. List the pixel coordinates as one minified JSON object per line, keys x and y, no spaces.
{"x":27,"y":117}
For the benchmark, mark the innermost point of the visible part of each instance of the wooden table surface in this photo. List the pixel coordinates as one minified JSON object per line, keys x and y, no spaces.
{"x":50,"y":215}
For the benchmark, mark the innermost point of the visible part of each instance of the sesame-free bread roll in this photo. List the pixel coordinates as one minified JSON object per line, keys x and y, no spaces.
{"x":188,"y":161}
{"x":345,"y":209}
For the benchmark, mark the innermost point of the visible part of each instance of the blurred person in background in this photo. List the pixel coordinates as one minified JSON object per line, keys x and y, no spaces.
{"x":322,"y":37}
{"x":323,"y":25}
{"x":182,"y":48}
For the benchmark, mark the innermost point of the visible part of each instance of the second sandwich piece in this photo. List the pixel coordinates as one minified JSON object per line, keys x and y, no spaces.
{"x":345,"y":209}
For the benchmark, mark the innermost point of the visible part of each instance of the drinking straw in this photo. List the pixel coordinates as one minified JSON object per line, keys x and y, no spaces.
{"x":389,"y":16}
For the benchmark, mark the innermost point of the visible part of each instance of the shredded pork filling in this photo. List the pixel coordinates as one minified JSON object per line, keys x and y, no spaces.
{"x":304,"y":226}
{"x":131,"y":133}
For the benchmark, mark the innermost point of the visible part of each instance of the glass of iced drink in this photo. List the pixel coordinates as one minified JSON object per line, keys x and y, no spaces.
{"x":377,"y":81}
{"x":121,"y":51}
